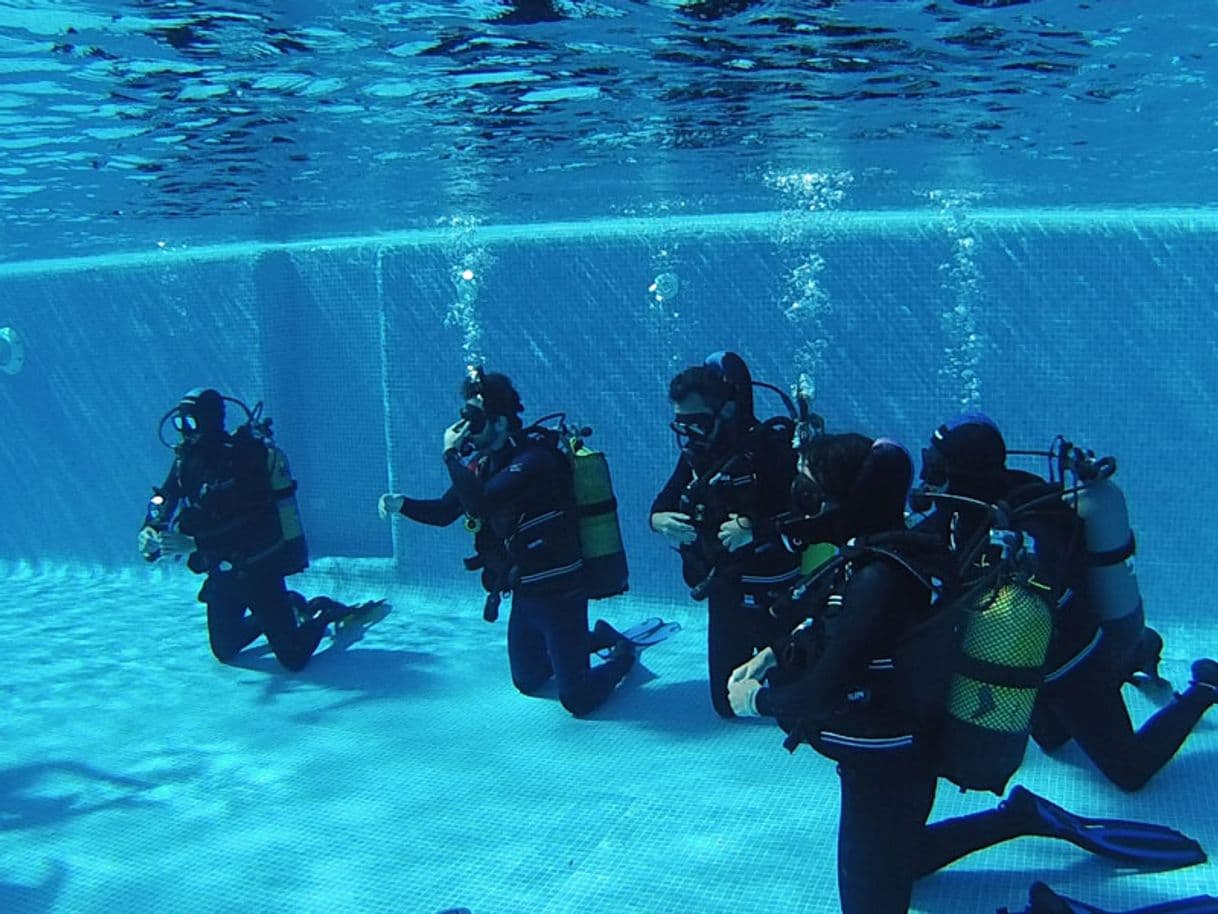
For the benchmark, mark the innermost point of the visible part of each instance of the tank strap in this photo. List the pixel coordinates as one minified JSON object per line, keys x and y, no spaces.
{"x":593,"y":509}
{"x":289,"y":489}
{"x":1010,"y":677}
{"x":1111,"y":556}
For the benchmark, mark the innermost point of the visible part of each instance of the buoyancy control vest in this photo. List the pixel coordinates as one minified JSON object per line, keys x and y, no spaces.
{"x":735,"y":485}
{"x":968,"y":669}
{"x":900,"y":689}
{"x":238,"y":500}
{"x":572,"y":534}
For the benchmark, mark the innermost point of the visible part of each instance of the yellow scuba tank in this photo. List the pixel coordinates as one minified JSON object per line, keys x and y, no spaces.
{"x":283,"y":491}
{"x":1112,"y":586}
{"x":600,"y":534}
{"x":999,"y":671}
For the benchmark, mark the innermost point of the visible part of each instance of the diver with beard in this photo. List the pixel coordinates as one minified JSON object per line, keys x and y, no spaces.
{"x":228,"y":507}
{"x":718,"y":509}
{"x":1095,"y":648}
{"x":515,"y":489}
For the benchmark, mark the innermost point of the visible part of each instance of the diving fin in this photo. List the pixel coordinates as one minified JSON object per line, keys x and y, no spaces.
{"x":350,"y":627}
{"x":1143,"y":845}
{"x":1043,"y":900}
{"x":645,"y":634}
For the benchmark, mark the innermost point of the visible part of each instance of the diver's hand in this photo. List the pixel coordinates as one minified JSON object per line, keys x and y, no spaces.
{"x":390,"y":504}
{"x":735,"y":533}
{"x":149,"y":542}
{"x":455,"y":434}
{"x":742,"y":695}
{"x":674,"y":527}
{"x":756,"y":668}
{"x":174,"y":543}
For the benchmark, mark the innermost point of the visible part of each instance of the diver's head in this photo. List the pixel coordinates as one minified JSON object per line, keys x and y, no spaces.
{"x":492,"y":410}
{"x":852,"y":485}
{"x":199,"y":417}
{"x":705,"y":412}
{"x":967,"y":456}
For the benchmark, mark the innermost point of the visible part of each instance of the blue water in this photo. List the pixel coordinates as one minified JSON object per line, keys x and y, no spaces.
{"x":334,"y":211}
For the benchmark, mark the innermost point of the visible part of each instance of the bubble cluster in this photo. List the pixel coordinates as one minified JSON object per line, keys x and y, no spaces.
{"x":665,"y":287}
{"x":469,"y":265}
{"x":961,"y":285}
{"x":806,"y":303}
{"x":814,"y":189}
{"x":663,"y":318}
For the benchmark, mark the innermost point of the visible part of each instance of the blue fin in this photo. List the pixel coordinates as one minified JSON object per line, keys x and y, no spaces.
{"x":1143,"y":845}
{"x":645,"y":634}
{"x":1043,"y":900}
{"x":350,"y":627}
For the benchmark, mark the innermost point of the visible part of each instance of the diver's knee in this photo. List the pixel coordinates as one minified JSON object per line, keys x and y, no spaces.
{"x":1124,"y":777}
{"x":293,"y":664}
{"x":225,"y":653}
{"x":529,"y":687}
{"x":577,"y":705}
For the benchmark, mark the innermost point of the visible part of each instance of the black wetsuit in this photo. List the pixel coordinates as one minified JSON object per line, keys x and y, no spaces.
{"x":220,"y":493}
{"x":1090,"y":659}
{"x":529,"y":544}
{"x":754,"y":482}
{"x":848,"y":684}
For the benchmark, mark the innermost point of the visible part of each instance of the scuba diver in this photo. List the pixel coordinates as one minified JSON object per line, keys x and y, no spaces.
{"x":858,"y":683}
{"x":718,"y":509}
{"x":515,"y":489}
{"x":228,"y":507}
{"x":1099,"y":637}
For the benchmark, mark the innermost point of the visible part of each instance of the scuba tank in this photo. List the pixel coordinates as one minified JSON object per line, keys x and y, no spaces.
{"x":1112,"y":585}
{"x":292,"y":546}
{"x":600,"y":533}
{"x":283,"y":491}
{"x":605,"y":571}
{"x":998,"y":673}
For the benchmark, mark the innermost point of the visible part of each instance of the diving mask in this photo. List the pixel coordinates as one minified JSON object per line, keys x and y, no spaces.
{"x":808,"y":496}
{"x":475,"y":417}
{"x":813,"y":517}
{"x":697,"y":431}
{"x":185,"y":424}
